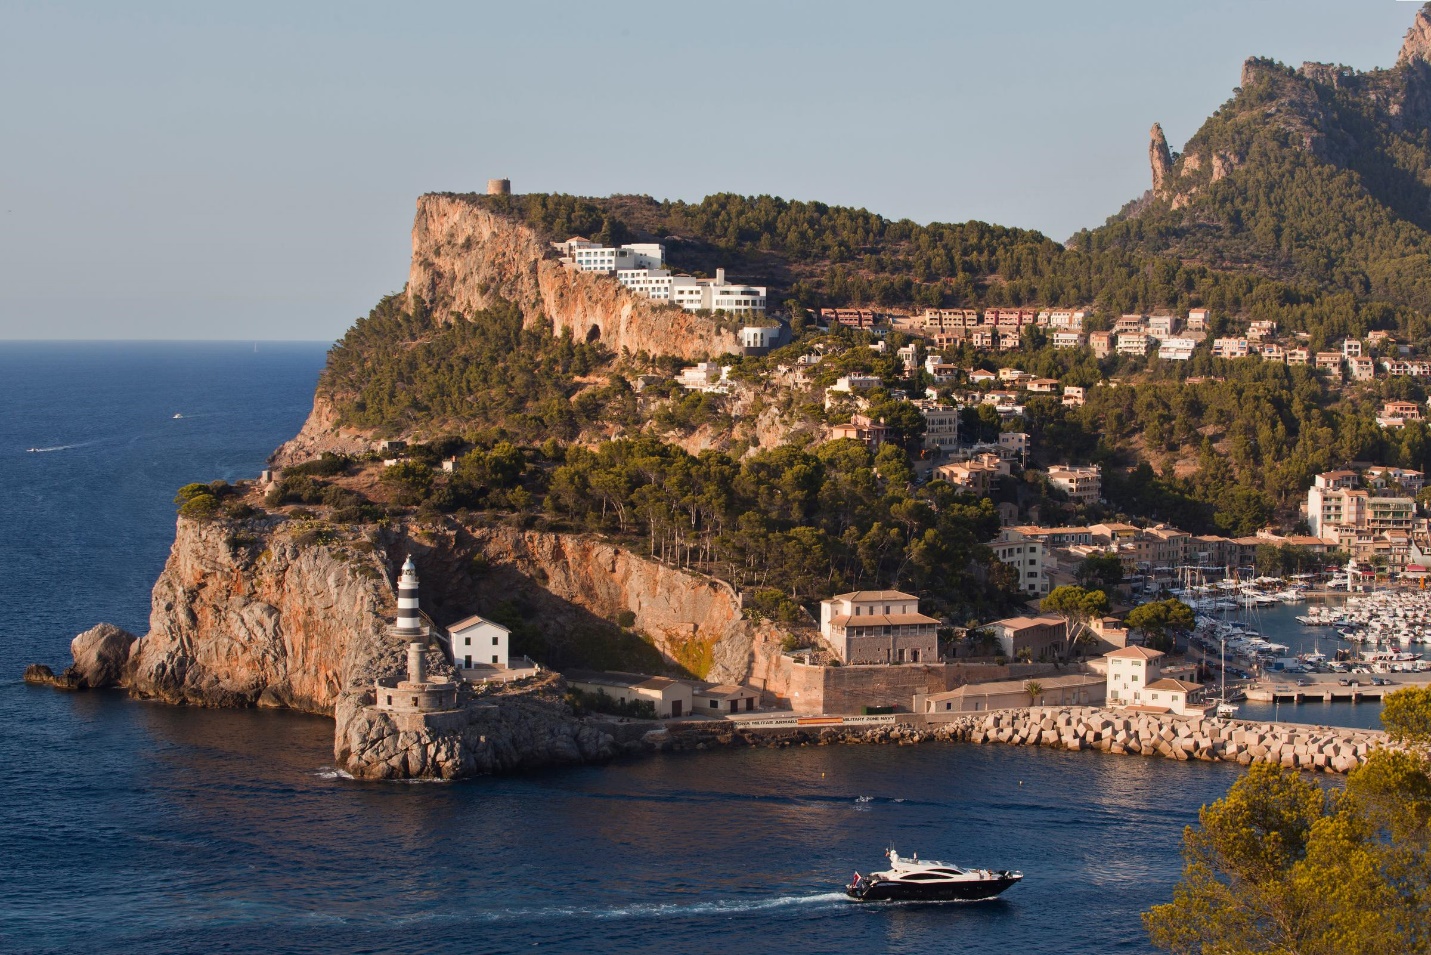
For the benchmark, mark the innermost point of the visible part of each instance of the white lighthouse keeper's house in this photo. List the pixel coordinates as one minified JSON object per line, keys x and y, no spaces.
{"x":479,"y":642}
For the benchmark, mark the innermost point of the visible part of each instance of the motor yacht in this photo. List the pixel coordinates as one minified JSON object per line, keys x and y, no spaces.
{"x":910,"y":880}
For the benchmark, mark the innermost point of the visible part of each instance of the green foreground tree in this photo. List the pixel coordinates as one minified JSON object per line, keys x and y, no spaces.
{"x":1076,"y":606}
{"x":1280,"y":865}
{"x":1161,"y":621}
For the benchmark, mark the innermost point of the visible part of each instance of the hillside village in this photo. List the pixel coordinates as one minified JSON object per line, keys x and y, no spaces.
{"x":880,"y":380}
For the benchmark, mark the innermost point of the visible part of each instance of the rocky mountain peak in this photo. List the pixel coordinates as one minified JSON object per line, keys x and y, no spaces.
{"x":1416,"y":48}
{"x":1159,"y":157}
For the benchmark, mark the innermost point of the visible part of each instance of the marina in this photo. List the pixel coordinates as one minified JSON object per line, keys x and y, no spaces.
{"x":1273,"y":642}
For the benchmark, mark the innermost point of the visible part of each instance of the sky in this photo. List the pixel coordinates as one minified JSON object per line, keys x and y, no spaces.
{"x":247,"y":171}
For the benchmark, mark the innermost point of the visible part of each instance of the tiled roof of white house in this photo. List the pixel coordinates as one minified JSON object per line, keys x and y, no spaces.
{"x":875,"y":595}
{"x":1168,"y":684}
{"x":472,"y":621}
{"x":1134,"y":653}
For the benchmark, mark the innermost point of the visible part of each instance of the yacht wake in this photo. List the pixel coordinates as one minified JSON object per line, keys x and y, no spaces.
{"x":670,"y":910}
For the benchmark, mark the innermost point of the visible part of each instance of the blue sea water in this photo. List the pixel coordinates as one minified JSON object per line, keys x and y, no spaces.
{"x":134,"y":827}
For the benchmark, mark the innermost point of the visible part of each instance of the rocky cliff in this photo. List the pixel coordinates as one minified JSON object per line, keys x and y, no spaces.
{"x":465,"y":257}
{"x":321,"y":432}
{"x":291,"y":614}
{"x":1416,"y":47}
{"x":271,"y":616}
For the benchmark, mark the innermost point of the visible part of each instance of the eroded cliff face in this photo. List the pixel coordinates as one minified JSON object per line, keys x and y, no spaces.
{"x":281,"y":615}
{"x":1416,"y":47}
{"x":685,"y":615}
{"x":243,"y":618}
{"x":321,"y":432}
{"x":464,"y":258}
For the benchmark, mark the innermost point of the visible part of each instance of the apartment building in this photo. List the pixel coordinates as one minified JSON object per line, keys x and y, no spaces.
{"x":1162,"y":326}
{"x":1133,"y":343}
{"x":1025,"y":555}
{"x":587,"y":256}
{"x":941,"y":425}
{"x":1177,"y":349}
{"x":1230,"y":348}
{"x":975,"y":476}
{"x":1336,"y":502}
{"x":1082,"y":484}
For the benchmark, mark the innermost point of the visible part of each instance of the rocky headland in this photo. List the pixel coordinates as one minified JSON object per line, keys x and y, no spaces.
{"x":295,"y":613}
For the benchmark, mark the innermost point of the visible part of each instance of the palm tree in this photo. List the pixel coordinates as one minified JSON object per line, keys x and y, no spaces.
{"x":1035,"y":690}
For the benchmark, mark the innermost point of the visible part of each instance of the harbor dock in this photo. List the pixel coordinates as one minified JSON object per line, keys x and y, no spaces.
{"x":1329,"y":690}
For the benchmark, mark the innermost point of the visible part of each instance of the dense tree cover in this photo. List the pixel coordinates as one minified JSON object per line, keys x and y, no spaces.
{"x":1077,"y":606}
{"x":396,"y":370}
{"x":1281,"y":865}
{"x":1162,"y":622}
{"x":1102,"y":571}
{"x":804,"y":522}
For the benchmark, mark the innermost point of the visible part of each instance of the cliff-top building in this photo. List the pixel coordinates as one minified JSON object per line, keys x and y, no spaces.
{"x":879,"y":626}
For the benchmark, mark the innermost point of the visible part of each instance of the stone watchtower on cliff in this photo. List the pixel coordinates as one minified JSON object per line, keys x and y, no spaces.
{"x":419,"y":693}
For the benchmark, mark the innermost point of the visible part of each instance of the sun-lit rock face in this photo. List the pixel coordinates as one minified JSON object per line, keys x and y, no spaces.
{"x":464,"y":258}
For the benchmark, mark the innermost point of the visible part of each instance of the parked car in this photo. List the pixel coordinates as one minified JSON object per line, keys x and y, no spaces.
{"x":1353,"y":683}
{"x":1380,"y":681}
{"x":1344,"y":681}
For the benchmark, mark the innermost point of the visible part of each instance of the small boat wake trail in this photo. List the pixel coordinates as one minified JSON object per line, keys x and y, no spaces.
{"x":669,"y":910}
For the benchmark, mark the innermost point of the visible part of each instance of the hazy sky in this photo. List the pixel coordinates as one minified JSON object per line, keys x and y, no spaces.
{"x":248,"y":170}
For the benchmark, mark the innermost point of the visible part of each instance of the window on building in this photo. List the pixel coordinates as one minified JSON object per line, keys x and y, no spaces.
{"x":715,"y":705}
{"x":390,"y":699}
{"x":467,"y":641}
{"x":494,"y":641}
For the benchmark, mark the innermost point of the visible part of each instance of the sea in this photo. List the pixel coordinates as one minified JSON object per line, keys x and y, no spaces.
{"x":139,"y":827}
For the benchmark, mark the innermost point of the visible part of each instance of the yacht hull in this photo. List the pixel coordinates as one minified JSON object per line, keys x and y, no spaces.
{"x":970,"y":891}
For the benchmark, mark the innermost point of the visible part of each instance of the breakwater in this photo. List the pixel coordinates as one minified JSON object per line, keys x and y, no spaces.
{"x":1313,"y":748}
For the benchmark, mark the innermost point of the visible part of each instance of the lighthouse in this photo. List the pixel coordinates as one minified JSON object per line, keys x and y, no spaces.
{"x":408,"y":621}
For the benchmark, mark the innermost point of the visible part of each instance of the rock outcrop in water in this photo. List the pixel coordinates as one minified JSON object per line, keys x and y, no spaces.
{"x":101,"y":656}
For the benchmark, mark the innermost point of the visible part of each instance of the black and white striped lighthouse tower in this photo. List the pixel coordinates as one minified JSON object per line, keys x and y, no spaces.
{"x":409,"y":624}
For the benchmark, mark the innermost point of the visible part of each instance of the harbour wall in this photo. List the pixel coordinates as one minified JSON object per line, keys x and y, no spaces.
{"x":1312,"y":748}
